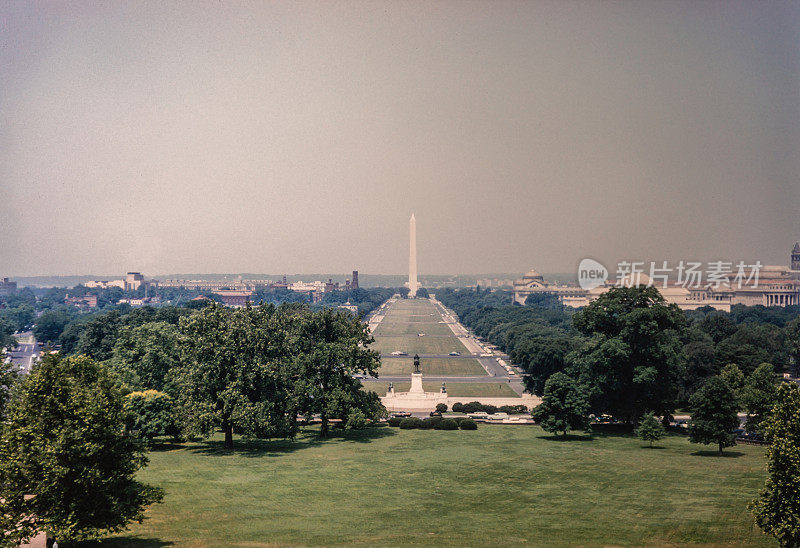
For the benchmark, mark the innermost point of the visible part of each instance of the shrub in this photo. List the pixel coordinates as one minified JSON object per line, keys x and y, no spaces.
{"x":473,"y":407}
{"x":441,"y":408}
{"x":426,"y":423}
{"x":410,"y":422}
{"x":468,"y":424}
{"x":458,"y":407}
{"x":514,"y":409}
{"x":394,"y":421}
{"x":356,"y":420}
{"x":447,"y":424}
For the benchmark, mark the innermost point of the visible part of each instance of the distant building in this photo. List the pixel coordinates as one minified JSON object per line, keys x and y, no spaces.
{"x":234,"y":298}
{"x":348,"y":306}
{"x":133,"y":281}
{"x":87,"y":301}
{"x":7,"y":287}
{"x":354,"y":282}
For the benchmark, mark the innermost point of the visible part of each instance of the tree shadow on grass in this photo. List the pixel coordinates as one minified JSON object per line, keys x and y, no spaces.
{"x":567,"y":438}
{"x":277,"y":448}
{"x":725,"y":454}
{"x":167,"y":446}
{"x":653,"y":447}
{"x":120,"y":542}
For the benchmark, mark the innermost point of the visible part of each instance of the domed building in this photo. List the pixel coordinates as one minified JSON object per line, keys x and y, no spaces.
{"x":533,"y":282}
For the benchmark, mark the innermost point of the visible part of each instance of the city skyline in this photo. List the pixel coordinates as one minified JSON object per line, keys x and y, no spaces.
{"x":300,"y":137}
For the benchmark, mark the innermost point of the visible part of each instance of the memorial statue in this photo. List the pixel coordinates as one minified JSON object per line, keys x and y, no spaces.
{"x":416,"y":363}
{"x":444,"y":390}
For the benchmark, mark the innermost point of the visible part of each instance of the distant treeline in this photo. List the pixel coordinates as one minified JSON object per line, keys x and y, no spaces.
{"x":91,"y":331}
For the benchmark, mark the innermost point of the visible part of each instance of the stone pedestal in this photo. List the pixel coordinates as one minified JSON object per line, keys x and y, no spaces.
{"x":416,"y":384}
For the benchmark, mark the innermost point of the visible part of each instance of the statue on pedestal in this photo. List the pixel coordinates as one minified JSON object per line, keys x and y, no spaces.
{"x":444,"y":390}
{"x":416,"y":363}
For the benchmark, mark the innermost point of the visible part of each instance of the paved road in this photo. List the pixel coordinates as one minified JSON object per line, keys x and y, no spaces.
{"x":26,"y":353}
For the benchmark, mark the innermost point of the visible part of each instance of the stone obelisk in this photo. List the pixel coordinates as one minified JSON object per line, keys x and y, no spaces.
{"x":412,"y":258}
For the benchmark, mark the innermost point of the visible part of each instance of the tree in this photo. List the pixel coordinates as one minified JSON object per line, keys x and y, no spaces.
{"x":145,"y":355}
{"x":777,"y":509}
{"x":633,"y":360}
{"x":792,"y":330}
{"x":8,"y":378}
{"x":714,"y":414}
{"x":99,"y":335}
{"x":759,"y":395}
{"x":7,"y":338}
{"x":150,"y":414}
{"x":441,"y":408}
{"x":235,"y":372}
{"x":331,"y":347}
{"x":540,"y":357}
{"x":735,"y":379}
{"x":650,"y":429}
{"x":65,"y":445}
{"x":564,"y":406}
{"x":50,"y":325}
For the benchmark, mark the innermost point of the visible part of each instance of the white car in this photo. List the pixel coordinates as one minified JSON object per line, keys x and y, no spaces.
{"x":399,"y":353}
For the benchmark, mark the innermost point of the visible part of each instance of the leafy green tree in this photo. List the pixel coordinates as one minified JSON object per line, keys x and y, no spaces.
{"x":235,"y":372}
{"x":777,"y":509}
{"x":792,"y":330}
{"x":7,"y":338}
{"x":145,"y":355}
{"x":50,"y":325}
{"x":564,"y":406}
{"x":735,"y":379}
{"x":99,"y":336}
{"x":650,"y":429}
{"x":64,"y":443}
{"x":331,"y":347}
{"x":8,"y":378}
{"x":356,"y":420}
{"x":540,"y":357}
{"x":759,"y":395}
{"x":441,"y":408}
{"x":714,"y":411}
{"x":21,"y":316}
{"x":151,"y":414}
{"x":633,"y":360}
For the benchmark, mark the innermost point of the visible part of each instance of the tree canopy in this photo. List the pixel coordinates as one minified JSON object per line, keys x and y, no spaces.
{"x":65,"y":447}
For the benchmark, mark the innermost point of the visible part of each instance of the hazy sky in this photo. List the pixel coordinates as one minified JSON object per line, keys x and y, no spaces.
{"x":299,"y":137}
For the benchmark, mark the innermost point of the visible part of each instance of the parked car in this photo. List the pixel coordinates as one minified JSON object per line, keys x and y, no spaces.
{"x":401,"y":414}
{"x":455,"y":353}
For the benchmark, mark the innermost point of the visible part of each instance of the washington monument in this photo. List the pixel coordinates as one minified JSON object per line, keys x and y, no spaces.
{"x":412,"y":258}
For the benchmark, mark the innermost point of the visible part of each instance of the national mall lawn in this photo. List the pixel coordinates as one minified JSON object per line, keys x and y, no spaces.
{"x":501,"y":485}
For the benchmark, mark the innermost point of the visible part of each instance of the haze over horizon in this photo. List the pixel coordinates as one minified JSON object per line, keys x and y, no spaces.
{"x":300,"y":137}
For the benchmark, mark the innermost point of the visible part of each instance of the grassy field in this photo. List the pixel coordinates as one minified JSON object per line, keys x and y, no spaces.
{"x":455,"y":389}
{"x":419,"y":345}
{"x":456,"y":367}
{"x":391,"y":328}
{"x":497,"y":486}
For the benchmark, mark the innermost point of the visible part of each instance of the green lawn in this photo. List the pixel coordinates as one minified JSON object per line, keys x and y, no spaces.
{"x":400,"y":329}
{"x":412,"y":328}
{"x":497,"y":486}
{"x":455,"y":389}
{"x":456,"y":367}
{"x":414,"y":344}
